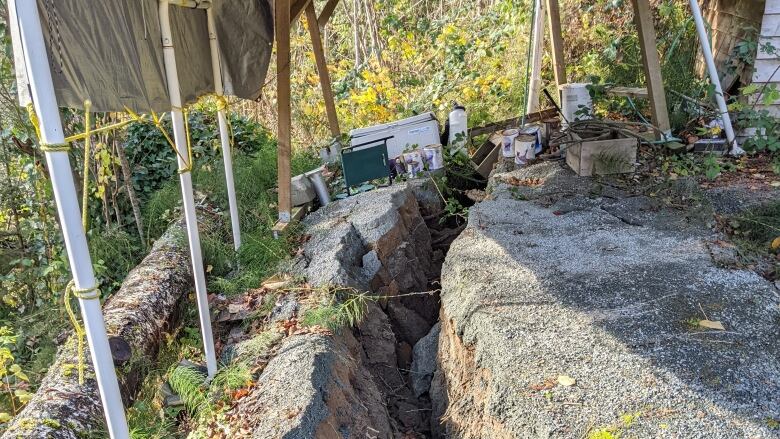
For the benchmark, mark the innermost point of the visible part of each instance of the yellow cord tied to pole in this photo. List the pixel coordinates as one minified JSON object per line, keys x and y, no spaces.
{"x":224,"y":105}
{"x":83,"y":294}
{"x":87,"y":156}
{"x":45,"y":147}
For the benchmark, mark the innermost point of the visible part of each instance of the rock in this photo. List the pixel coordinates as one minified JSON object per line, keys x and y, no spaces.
{"x":313,"y":387}
{"x":407,"y":324}
{"x":301,"y":190}
{"x":588,"y":295}
{"x":424,"y":361}
{"x":286,"y":307}
{"x":403,"y":353}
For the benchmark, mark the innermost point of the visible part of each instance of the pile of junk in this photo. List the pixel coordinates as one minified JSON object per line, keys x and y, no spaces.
{"x":415,"y":147}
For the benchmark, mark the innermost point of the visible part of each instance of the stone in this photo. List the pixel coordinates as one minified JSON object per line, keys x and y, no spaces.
{"x":301,"y":190}
{"x":286,"y":308}
{"x":409,"y":326}
{"x":424,"y":361}
{"x":600,"y":293}
{"x":403,"y":353}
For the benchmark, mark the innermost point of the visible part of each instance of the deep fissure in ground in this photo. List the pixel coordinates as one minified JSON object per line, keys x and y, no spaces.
{"x":399,"y":336}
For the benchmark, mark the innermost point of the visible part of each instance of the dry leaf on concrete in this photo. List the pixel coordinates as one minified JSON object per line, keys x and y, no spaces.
{"x":712,"y":324}
{"x":566,"y":380}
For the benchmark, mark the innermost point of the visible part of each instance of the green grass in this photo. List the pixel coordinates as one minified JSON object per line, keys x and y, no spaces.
{"x":337,"y":314}
{"x":188,"y":383}
{"x":250,"y":350}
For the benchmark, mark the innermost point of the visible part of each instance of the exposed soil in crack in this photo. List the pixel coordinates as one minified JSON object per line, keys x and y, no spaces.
{"x":399,"y":336}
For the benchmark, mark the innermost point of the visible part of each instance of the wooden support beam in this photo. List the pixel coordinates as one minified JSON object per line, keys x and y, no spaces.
{"x":643,"y":18}
{"x":284,"y":123}
{"x":322,"y":70}
{"x":628,"y":92}
{"x":556,"y":39}
{"x":297,"y":7}
{"x":327,"y":12}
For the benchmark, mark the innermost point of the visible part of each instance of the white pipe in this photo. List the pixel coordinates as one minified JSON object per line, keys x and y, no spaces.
{"x":227,"y":157}
{"x":535,"y":83}
{"x":45,"y":102}
{"x":185,"y":178}
{"x":704,"y":40}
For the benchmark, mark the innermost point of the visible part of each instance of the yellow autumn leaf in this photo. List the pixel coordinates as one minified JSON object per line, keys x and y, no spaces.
{"x":566,"y":380}
{"x":5,"y":417}
{"x":776,"y":243}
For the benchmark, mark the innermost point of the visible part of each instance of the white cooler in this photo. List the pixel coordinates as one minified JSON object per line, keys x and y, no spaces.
{"x":421,"y":130}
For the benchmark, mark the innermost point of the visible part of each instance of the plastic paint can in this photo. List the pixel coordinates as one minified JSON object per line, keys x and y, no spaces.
{"x":432,"y":154}
{"x":524,"y":143}
{"x":414,"y":162}
{"x":507,"y":142}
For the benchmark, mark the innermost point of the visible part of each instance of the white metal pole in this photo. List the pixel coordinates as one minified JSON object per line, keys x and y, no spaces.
{"x":535,"y":84}
{"x":227,"y":157}
{"x":704,"y":40}
{"x":185,"y":178}
{"x":45,"y":102}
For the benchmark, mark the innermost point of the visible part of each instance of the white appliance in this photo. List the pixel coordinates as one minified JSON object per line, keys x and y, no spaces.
{"x":413,"y":132}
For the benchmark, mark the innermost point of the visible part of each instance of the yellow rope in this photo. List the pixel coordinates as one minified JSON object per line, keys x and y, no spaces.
{"x":34,"y":119}
{"x":83,"y":294}
{"x":188,"y":167}
{"x":224,"y":105}
{"x":87,"y":148}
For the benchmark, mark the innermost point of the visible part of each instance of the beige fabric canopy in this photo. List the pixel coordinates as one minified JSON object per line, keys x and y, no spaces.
{"x":110,"y":52}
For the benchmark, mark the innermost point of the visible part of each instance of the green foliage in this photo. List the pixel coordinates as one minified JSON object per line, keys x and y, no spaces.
{"x":337,"y":314}
{"x":249,"y":351}
{"x":114,"y":253}
{"x":188,"y":383}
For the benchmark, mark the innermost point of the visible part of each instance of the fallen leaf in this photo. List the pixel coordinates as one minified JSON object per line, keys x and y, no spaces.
{"x":775,"y":184}
{"x":275,"y":282}
{"x":712,"y":324}
{"x":776,"y":243}
{"x":209,"y":268}
{"x":234,"y":308}
{"x":566,"y":380}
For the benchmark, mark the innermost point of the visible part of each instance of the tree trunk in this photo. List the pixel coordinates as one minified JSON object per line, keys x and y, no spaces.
{"x":147,"y":307}
{"x":127,"y":177}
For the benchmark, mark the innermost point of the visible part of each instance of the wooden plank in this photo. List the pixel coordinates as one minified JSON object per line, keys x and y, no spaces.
{"x":322,"y":70}
{"x":629,"y":92}
{"x":611,"y":156}
{"x":297,"y":214}
{"x":766,"y":70}
{"x":513,"y":122}
{"x":772,"y":7}
{"x":643,"y":17}
{"x":556,"y":39}
{"x":296,"y":9}
{"x":283,"y":107}
{"x":327,"y":12}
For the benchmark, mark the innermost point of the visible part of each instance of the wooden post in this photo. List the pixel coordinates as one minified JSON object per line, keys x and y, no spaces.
{"x":643,"y":18}
{"x":537,"y":51}
{"x":326,"y":13}
{"x":322,"y":69}
{"x":284,"y":123}
{"x":556,"y":38}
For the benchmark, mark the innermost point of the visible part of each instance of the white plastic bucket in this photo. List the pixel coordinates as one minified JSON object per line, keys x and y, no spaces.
{"x":575,"y":98}
{"x":525,"y":144}
{"x":507,"y":142}
{"x":434,"y":159}
{"x":414,"y":162}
